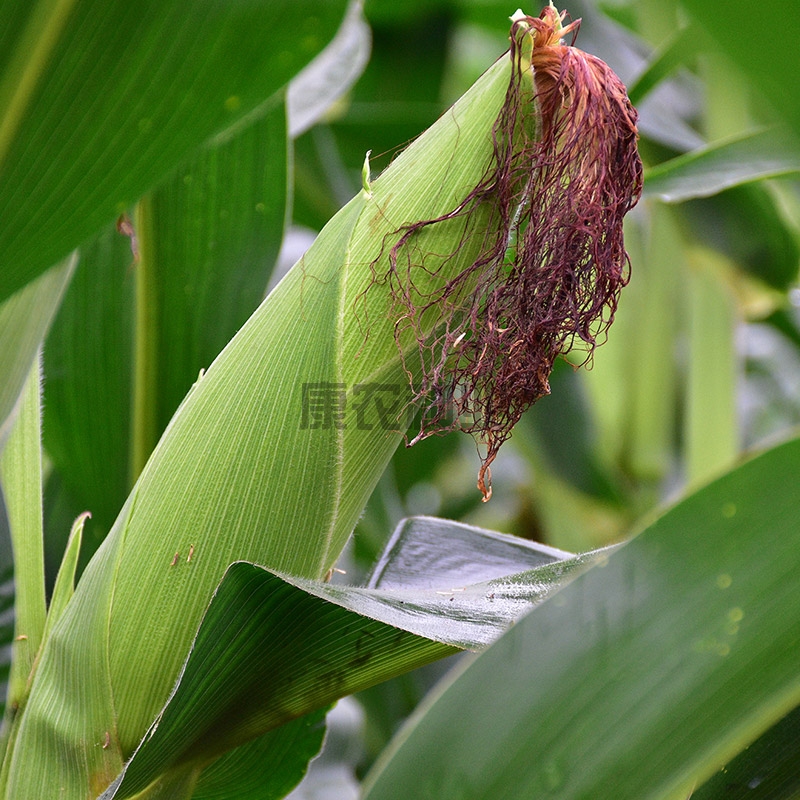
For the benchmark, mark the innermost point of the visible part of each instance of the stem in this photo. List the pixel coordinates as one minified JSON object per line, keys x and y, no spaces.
{"x":144,"y":423}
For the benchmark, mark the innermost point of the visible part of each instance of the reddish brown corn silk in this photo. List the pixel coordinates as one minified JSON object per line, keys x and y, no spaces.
{"x":565,"y":171}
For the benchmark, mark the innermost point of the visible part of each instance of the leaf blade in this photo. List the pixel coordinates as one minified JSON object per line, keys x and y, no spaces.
{"x":638,"y":675}
{"x":741,"y":159}
{"x":127,"y":94}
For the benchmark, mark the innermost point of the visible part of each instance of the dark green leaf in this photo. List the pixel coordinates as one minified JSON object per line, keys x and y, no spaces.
{"x":266,"y":768}
{"x":766,"y":770}
{"x":214,"y":234}
{"x":87,"y":391}
{"x":101,"y":100}
{"x":770,"y":64}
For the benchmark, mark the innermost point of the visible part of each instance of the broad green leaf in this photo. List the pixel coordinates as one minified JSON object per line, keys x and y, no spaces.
{"x":24,"y":321}
{"x":741,"y":159}
{"x":267,"y":652}
{"x":644,"y":674}
{"x":208,"y":241}
{"x":212,"y":237}
{"x":101,"y":100}
{"x":272,"y":648}
{"x":770,"y":66}
{"x":240,"y":474}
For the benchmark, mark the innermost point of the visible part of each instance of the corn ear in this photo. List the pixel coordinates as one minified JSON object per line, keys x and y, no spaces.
{"x":238,"y":475}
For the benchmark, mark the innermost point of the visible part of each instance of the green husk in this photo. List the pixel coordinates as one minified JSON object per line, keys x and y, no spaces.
{"x":237,"y":477}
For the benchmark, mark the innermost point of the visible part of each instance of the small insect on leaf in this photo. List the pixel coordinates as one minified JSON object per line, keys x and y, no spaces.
{"x":106,"y":740}
{"x":175,"y":559}
{"x":191,"y":553}
{"x":125,"y":227}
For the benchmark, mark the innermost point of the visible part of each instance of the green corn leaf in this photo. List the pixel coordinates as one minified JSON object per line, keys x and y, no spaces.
{"x":213,"y":237}
{"x":87,"y":392}
{"x":744,"y":158}
{"x":101,"y":100}
{"x":771,"y":72}
{"x":216,"y":230}
{"x":240,"y":474}
{"x":272,"y":648}
{"x":674,"y":54}
{"x":643,"y":675}
{"x":24,"y":321}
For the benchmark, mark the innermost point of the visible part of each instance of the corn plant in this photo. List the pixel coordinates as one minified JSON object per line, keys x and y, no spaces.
{"x":190,"y":641}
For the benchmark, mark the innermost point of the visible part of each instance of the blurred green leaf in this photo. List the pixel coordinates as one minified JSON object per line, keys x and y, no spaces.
{"x":644,"y":674}
{"x":24,"y":321}
{"x":771,"y":64}
{"x":324,"y":82}
{"x":711,"y":429}
{"x":705,"y":172}
{"x":101,"y":100}
{"x":727,"y":221}
{"x":670,"y":56}
{"x":766,"y":770}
